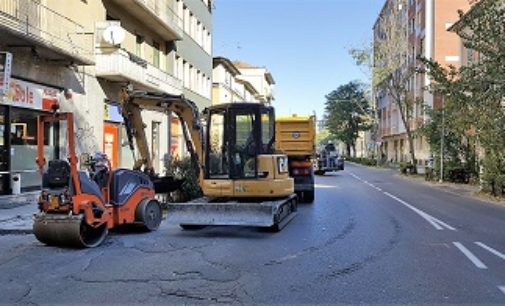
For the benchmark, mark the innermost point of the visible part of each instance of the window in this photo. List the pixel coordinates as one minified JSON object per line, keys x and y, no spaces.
{"x":156,"y":54}
{"x":244,"y":152}
{"x":176,"y":66}
{"x":138,"y":45}
{"x":267,"y":131}
{"x":186,"y":74}
{"x":217,"y":154}
{"x":155,"y":143}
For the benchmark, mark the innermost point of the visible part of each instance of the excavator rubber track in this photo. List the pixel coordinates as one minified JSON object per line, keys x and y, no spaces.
{"x":67,"y":231}
{"x":273,"y":214}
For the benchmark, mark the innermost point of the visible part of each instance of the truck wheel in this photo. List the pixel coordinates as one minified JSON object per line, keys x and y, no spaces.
{"x":308,"y":196}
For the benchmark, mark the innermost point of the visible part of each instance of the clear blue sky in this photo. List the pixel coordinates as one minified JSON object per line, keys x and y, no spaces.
{"x":304,"y":44}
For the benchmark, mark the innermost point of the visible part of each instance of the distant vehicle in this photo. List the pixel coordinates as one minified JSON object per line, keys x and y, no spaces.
{"x":295,"y":136}
{"x":328,"y":160}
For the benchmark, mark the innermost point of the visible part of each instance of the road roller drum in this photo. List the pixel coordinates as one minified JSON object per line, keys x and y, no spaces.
{"x":67,"y":230}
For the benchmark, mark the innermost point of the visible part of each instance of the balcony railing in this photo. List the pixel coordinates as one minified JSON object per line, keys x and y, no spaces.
{"x":40,"y":25}
{"x":163,"y":10}
{"x":155,"y":14}
{"x":124,"y":66}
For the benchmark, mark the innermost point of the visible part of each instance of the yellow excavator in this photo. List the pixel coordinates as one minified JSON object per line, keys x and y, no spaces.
{"x":232,"y":146}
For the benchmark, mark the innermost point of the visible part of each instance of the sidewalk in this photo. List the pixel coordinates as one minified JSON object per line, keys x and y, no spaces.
{"x":16,"y":213}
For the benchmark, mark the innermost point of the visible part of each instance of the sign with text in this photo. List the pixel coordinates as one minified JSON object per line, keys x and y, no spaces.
{"x":5,"y":71}
{"x":29,"y":95}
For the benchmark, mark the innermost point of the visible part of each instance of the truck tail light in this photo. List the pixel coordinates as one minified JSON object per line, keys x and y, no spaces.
{"x":301,"y":171}
{"x":300,"y":164}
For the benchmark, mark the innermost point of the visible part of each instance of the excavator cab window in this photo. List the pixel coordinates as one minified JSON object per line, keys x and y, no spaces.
{"x":245,"y":146}
{"x":267,"y":130}
{"x":218,"y":151}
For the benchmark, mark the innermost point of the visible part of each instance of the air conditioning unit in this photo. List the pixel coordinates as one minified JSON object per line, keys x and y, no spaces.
{"x":109,"y":34}
{"x":5,"y":72}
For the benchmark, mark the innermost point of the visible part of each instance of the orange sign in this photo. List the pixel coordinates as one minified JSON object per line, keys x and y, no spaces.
{"x":110,"y":143}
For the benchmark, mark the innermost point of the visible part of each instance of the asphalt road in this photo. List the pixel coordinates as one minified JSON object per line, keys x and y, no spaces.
{"x":370,"y":237}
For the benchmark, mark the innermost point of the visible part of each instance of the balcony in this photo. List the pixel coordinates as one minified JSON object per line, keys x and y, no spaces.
{"x":27,"y":23}
{"x":122,"y":66}
{"x":157,"y":15}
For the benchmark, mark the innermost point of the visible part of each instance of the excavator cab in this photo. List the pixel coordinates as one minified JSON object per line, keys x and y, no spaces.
{"x":240,"y":161}
{"x":237,"y":134}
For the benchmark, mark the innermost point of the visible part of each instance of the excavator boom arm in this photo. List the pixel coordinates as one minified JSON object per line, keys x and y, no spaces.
{"x":132,"y":102}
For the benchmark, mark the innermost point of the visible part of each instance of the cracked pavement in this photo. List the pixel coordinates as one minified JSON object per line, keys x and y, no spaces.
{"x":352,"y":245}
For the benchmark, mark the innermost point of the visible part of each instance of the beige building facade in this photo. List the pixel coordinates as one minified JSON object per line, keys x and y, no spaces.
{"x":81,"y":54}
{"x":227,"y":85}
{"x":260,"y":78}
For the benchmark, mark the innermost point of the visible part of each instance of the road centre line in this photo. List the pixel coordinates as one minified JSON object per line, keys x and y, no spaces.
{"x":490,"y":249}
{"x":479,"y":264}
{"x":502,"y":289}
{"x":436,"y":223}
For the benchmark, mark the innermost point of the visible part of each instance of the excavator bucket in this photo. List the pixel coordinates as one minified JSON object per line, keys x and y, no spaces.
{"x":204,"y":211}
{"x":166,"y":184}
{"x":69,"y":231}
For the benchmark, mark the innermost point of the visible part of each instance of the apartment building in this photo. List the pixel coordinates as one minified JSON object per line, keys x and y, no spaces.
{"x":80,"y":54}
{"x":227,"y":87}
{"x":260,"y":78}
{"x":425,"y":23}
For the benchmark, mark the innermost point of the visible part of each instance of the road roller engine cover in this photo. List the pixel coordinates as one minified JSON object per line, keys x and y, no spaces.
{"x":77,"y":208}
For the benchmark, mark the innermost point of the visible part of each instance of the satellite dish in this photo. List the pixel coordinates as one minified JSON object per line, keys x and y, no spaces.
{"x":113,"y":35}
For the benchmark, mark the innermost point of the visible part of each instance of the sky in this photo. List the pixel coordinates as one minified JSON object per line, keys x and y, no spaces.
{"x":303,"y":43}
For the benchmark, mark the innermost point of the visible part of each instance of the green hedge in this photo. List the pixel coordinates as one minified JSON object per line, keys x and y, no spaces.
{"x":190,"y":189}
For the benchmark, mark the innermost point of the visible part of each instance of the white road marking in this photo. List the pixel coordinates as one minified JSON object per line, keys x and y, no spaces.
{"x":479,"y":264}
{"x":490,"y":249}
{"x":325,"y":186}
{"x":436,"y":223}
{"x":502,"y":289}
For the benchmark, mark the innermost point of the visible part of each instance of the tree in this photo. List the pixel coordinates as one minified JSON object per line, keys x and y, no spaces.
{"x":391,"y":68}
{"x":475,"y":94}
{"x":346,"y":111}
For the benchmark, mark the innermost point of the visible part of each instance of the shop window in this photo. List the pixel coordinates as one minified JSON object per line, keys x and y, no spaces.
{"x":23,"y":151}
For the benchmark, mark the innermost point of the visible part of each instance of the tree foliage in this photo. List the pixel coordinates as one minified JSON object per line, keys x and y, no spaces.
{"x":391,"y":68}
{"x":347,"y":110}
{"x":475,"y":93}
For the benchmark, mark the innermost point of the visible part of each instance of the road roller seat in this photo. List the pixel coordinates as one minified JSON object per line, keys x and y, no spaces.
{"x":57,"y":175}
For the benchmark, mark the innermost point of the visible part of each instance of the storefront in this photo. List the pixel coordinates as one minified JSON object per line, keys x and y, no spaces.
{"x":18,"y":134}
